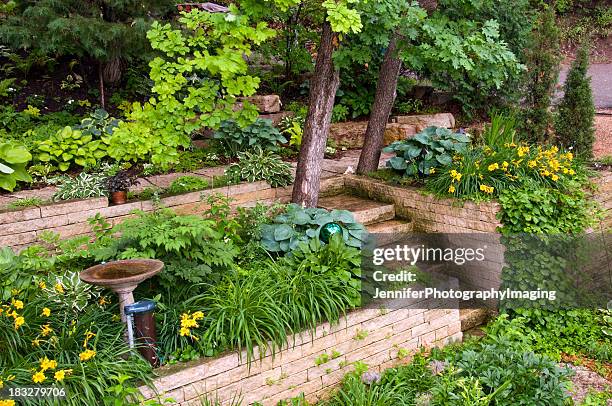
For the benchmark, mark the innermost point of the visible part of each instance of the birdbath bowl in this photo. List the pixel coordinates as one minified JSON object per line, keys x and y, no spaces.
{"x":122,"y":277}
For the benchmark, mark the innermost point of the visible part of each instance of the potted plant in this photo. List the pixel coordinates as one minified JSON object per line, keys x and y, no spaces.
{"x":118,"y":185}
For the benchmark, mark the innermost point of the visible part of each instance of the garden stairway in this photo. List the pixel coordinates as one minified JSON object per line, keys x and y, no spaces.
{"x":380,"y":218}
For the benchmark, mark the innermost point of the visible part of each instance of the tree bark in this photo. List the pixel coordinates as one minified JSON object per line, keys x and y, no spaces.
{"x":386,"y":89}
{"x":323,"y":89}
{"x":101,"y":80}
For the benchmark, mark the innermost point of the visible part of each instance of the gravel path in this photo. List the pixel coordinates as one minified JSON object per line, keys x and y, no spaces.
{"x":585,"y":381}
{"x":603,"y":136}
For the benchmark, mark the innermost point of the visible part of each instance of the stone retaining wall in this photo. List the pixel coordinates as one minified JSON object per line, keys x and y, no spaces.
{"x":465,"y":225}
{"x":372,"y":336}
{"x":23,"y":227}
{"x":470,"y":225}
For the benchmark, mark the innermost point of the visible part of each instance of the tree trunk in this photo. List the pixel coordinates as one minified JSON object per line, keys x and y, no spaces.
{"x":323,"y":89}
{"x":101,"y":80}
{"x":383,"y":103}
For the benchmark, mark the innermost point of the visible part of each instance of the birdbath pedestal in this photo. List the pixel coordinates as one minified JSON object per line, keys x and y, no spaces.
{"x":122,"y":277}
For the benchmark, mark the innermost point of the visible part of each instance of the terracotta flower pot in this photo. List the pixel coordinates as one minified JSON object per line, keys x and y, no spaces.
{"x":119,"y":197}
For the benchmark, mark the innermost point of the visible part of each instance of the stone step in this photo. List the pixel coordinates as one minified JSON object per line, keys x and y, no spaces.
{"x":472,"y":318}
{"x":365,"y":211}
{"x":390,"y":231}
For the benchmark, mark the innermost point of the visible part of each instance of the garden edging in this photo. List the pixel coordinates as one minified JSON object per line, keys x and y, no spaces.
{"x":390,"y":336}
{"x":69,"y":219}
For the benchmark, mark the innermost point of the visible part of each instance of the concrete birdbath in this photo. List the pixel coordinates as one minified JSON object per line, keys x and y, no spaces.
{"x":122,"y":277}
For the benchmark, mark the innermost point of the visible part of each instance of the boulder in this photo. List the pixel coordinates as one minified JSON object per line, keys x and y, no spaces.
{"x":396,"y":132}
{"x":269,"y":103}
{"x":421,"y":122}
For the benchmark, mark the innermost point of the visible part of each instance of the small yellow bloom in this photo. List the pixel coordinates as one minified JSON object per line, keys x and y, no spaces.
{"x":87,"y":355}
{"x":432,"y":171}
{"x":103,"y":301}
{"x":455,"y":175}
{"x":487,"y":189}
{"x":46,"y":312}
{"x":532,"y":164}
{"x":7,"y":402}
{"x":451,"y":189}
{"x":36,"y":342}
{"x":42,"y":285}
{"x":61,"y":374}
{"x":17,"y":303}
{"x":59,"y":288}
{"x":46,"y":363}
{"x":555,"y":178}
{"x":46,"y":330}
{"x":185,"y":331}
{"x":19,"y":321}
{"x":493,"y":167}
{"x":572,"y":172}
{"x":39,"y":377}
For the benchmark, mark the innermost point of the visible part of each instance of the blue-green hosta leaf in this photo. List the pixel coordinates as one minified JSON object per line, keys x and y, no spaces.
{"x":411,"y":170}
{"x":397,"y":163}
{"x":460,"y":137}
{"x":353,"y":242}
{"x":300,"y":218}
{"x":322,"y":219}
{"x":312,"y":232}
{"x":284,"y":245}
{"x":444,"y":159}
{"x":283,"y":232}
{"x":343,"y":216}
{"x":422,"y":138}
{"x":270,"y":245}
{"x":359,"y":234}
{"x":412,"y":151}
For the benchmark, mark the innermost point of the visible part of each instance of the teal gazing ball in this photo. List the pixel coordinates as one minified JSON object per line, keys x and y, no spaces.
{"x":328,"y":230}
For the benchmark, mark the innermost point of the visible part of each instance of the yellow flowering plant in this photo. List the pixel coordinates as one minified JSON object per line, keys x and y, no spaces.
{"x":483,"y":171}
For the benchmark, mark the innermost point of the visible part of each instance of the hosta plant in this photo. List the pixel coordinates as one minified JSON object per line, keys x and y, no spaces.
{"x":97,"y":124}
{"x":431,"y":148}
{"x":82,"y":186}
{"x":233,"y":139}
{"x":300,"y":224}
{"x":68,"y":146}
{"x":260,"y":165}
{"x":13,"y":159}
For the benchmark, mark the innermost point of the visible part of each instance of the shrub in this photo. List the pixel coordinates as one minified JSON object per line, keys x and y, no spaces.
{"x":68,"y":146}
{"x":542,"y":60}
{"x":574,"y":124}
{"x":233,"y":139}
{"x":429,"y":149}
{"x":13,"y":160}
{"x":537,"y":209}
{"x":184,"y":184}
{"x":82,"y":186}
{"x":190,"y":247}
{"x":299,"y":224}
{"x":260,"y":165}
{"x":142,"y":138}
{"x":515,"y":375}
